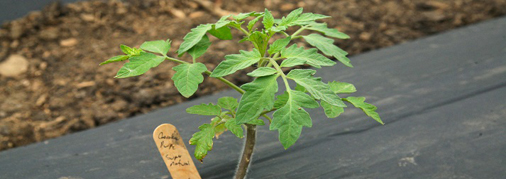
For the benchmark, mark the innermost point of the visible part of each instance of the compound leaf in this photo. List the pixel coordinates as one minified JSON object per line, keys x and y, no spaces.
{"x":268,"y":19}
{"x":200,"y":48}
{"x":368,"y":109}
{"x":227,"y":102}
{"x":322,"y":27}
{"x":310,"y":56}
{"x":262,"y":71}
{"x":327,"y":46}
{"x":222,"y":33}
{"x":342,"y":87}
{"x":279,"y":44}
{"x":203,"y":141}
{"x":290,"y":119}
{"x":222,"y":22}
{"x":315,"y":86}
{"x":259,"y":96}
{"x":129,"y":50}
{"x":236,"y":62}
{"x":193,"y":37}
{"x":204,"y":109}
{"x":253,"y":22}
{"x":307,"y":18}
{"x":330,"y":110}
{"x":188,"y":77}
{"x":157,"y":46}
{"x":290,"y":18}
{"x":118,"y":58}
{"x":139,"y":65}
{"x":235,"y":128}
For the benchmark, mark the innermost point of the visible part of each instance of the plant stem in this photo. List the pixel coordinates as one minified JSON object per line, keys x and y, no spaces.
{"x":247,"y":152}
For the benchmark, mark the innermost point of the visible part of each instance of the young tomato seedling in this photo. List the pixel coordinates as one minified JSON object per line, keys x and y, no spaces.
{"x":259,"y":97}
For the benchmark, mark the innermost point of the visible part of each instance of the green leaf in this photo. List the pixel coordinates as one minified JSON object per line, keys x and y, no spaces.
{"x":219,"y":129}
{"x":342,"y":87}
{"x":262,"y":71}
{"x":330,"y":110}
{"x":327,"y":46}
{"x":203,"y":141}
{"x":268,"y":19}
{"x":128,"y":50}
{"x":281,"y":100}
{"x":222,"y":33}
{"x":292,"y":62}
{"x":257,"y":122}
{"x":290,"y":18}
{"x":322,"y":27}
{"x":236,"y":62}
{"x":235,"y":128}
{"x":200,"y":48}
{"x":260,"y":40}
{"x":194,"y":37}
{"x":188,"y":77}
{"x":300,"y":88}
{"x":243,"y":16}
{"x":368,"y":109}
{"x":289,"y":119}
{"x":253,"y":22}
{"x":279,"y":44}
{"x":139,"y":65}
{"x":259,"y":96}
{"x":315,"y":86}
{"x":310,"y":56}
{"x":222,"y":22}
{"x":227,"y":102}
{"x":118,"y":58}
{"x":204,"y":109}
{"x":307,"y":18}
{"x":158,"y":46}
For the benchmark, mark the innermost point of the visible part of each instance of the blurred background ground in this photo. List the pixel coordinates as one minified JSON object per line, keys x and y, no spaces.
{"x":51,"y":84}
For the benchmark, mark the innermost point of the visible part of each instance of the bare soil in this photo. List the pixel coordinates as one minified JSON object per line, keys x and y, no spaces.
{"x":61,"y":89}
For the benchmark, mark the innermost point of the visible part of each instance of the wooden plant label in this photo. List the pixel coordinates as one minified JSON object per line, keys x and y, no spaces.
{"x":174,"y":153}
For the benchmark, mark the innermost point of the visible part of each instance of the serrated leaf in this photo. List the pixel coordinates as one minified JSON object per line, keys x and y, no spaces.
{"x":243,"y":16}
{"x":279,"y":44}
{"x":219,"y":129}
{"x":157,"y":46}
{"x":235,"y":128}
{"x":290,"y":119}
{"x":253,"y":22}
{"x":330,"y":110}
{"x":259,"y":96}
{"x":322,"y":27}
{"x":227,"y":102}
{"x":262,"y":71}
{"x":307,"y":18}
{"x":290,"y":18}
{"x":222,"y":33}
{"x":222,"y":22}
{"x":236,"y":62}
{"x":139,"y":65}
{"x":188,"y":77}
{"x":315,"y":86}
{"x":342,"y":87}
{"x":292,"y":62}
{"x":128,"y":50}
{"x":193,"y":37}
{"x":368,"y":109}
{"x":257,"y":122}
{"x":260,"y":40}
{"x":268,"y":19}
{"x":300,"y":88}
{"x":200,"y":48}
{"x":310,"y":56}
{"x":327,"y":46}
{"x":203,"y":141}
{"x":204,"y":109}
{"x":281,"y":100}
{"x":118,"y":58}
